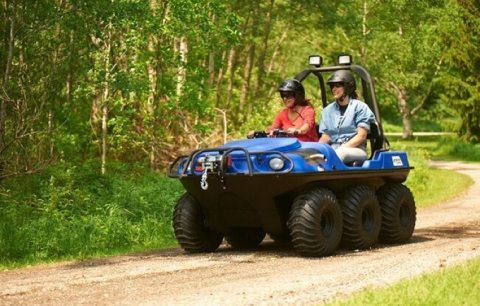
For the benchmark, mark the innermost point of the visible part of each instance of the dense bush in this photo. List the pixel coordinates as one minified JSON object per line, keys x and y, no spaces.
{"x":74,"y":211}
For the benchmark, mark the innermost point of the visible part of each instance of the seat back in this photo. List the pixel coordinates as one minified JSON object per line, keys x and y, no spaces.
{"x":377,"y":142}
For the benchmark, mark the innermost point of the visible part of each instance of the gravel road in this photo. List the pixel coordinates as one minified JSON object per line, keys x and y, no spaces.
{"x":274,"y":275}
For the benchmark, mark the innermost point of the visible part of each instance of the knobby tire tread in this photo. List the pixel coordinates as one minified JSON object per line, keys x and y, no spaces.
{"x":394,"y":199}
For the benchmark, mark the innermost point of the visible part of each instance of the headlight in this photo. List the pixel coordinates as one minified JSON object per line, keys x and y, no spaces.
{"x":344,"y":60}
{"x":276,"y":163}
{"x":315,"y":60}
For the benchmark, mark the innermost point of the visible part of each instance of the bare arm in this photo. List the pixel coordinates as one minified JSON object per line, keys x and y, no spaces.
{"x":325,"y":138}
{"x":302,"y":130}
{"x":358,"y":139}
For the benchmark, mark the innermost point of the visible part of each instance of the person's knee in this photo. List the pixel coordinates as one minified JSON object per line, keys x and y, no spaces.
{"x":348,"y":155}
{"x":341,"y":154}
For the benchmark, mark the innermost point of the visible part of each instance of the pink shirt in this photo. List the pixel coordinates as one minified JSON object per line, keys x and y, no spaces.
{"x":306,"y":114}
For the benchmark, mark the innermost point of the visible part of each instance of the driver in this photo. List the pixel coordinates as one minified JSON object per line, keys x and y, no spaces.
{"x":345,"y":123}
{"x":298,"y":116}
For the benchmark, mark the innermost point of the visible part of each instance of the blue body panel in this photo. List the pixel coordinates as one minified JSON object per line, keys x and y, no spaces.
{"x":381,"y":160}
{"x":265,"y":144}
{"x":297,"y":157}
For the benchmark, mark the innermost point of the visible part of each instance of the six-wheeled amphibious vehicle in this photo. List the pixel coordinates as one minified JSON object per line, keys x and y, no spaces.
{"x":298,"y":192}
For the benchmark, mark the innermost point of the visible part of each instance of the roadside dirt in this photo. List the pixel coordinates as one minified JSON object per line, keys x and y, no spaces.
{"x":274,"y":275}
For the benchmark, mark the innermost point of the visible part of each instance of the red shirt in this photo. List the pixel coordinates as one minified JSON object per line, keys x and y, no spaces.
{"x":306,"y":114}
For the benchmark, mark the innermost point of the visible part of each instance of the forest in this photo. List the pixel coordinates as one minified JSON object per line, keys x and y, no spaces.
{"x":138,"y":81}
{"x":97,"y":98}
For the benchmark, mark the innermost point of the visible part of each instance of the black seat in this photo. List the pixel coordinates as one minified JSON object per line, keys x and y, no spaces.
{"x":377,"y":142}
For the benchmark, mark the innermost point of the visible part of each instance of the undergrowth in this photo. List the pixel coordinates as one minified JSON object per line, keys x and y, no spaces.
{"x":73,"y":211}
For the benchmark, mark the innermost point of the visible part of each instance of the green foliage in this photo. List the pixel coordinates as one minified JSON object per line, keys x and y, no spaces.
{"x":74,"y":64}
{"x":429,"y":185}
{"x":73,"y":211}
{"x":444,"y":148}
{"x":460,"y":83}
{"x":448,"y":148}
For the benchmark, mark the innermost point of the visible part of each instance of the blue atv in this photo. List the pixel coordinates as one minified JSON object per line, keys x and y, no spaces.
{"x":294,"y":191}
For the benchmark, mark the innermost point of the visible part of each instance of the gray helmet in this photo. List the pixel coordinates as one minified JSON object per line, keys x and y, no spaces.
{"x":295,"y":86}
{"x":345,"y":77}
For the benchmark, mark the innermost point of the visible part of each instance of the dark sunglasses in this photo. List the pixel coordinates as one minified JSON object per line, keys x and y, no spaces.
{"x":287,"y":94}
{"x":332,"y":85}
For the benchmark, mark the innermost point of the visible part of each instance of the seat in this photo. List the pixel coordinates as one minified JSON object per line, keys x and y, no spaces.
{"x":377,"y":142}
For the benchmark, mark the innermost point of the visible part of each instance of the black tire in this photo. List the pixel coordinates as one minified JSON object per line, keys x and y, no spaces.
{"x":362,"y":218}
{"x":315,"y":223}
{"x":398,"y":213}
{"x":245,"y":237}
{"x":189,"y":227}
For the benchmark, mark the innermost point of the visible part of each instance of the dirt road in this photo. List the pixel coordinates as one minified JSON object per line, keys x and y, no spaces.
{"x":273,"y":275}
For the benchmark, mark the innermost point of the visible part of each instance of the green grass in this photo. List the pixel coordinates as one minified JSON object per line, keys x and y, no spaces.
{"x":429,"y":185}
{"x":441,"y":148}
{"x":445,"y":185}
{"x":74,"y":212}
{"x":457,"y":285}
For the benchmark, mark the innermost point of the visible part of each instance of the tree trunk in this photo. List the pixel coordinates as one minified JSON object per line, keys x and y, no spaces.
{"x":211,"y":69}
{"x":211,"y":63}
{"x":247,"y":72}
{"x":365,"y":32}
{"x":106,"y":96}
{"x":4,"y":98}
{"x":406,"y":114}
{"x":275,"y":51}
{"x":72,"y":60}
{"x":182,"y":69}
{"x":219,"y":83}
{"x":152,"y":98}
{"x":232,"y":64}
{"x":6,"y":75}
{"x":104,"y":133}
{"x":263,"y":52}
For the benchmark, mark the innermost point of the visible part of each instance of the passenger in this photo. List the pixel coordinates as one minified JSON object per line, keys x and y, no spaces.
{"x":345,"y":124}
{"x":298,"y":116}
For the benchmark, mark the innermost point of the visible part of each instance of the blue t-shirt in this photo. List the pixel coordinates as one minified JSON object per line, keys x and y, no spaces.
{"x":340,"y":127}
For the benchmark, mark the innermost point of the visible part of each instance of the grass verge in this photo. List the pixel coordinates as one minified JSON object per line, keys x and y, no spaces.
{"x":450,"y":286}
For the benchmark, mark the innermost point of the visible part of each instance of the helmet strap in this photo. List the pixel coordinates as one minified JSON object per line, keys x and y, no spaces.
{"x":342,"y":99}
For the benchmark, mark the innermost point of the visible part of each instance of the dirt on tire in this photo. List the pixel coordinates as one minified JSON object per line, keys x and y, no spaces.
{"x":446,"y":234}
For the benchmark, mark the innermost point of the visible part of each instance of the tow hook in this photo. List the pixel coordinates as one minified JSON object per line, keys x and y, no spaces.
{"x":203,"y":181}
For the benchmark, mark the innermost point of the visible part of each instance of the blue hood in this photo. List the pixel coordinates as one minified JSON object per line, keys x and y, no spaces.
{"x":265,"y":144}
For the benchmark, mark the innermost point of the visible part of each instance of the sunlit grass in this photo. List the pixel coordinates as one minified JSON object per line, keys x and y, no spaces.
{"x":445,"y":185}
{"x":457,"y":285}
{"x":430,"y":185}
{"x":442,"y":148}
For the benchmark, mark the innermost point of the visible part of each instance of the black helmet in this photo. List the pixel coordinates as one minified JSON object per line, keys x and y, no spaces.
{"x":345,"y":77}
{"x":295,"y":86}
